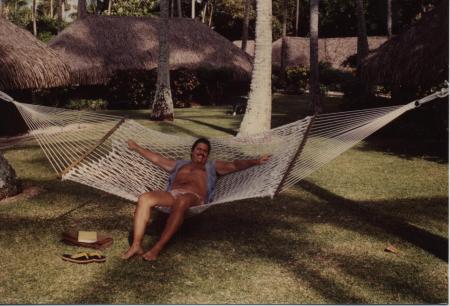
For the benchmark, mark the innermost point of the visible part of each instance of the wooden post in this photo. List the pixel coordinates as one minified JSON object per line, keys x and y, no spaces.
{"x":296,"y":155}
{"x":99,"y":143}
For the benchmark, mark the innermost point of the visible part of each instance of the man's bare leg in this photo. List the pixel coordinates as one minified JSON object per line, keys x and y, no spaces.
{"x":174,"y":222}
{"x":142,"y":217}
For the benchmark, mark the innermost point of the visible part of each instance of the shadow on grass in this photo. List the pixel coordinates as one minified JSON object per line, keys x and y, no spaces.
{"x":215,"y":127}
{"x":434,"y":244}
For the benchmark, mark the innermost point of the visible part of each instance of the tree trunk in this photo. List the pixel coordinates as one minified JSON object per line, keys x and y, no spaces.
{"x":314,"y":88}
{"x":180,"y":12}
{"x":211,"y":13}
{"x":59,"y":12}
{"x":283,"y":48}
{"x":245,"y":25}
{"x":109,"y":6}
{"x":362,"y":49}
{"x":81,"y":9}
{"x":51,"y":9}
{"x":257,"y":117}
{"x":193,"y":9}
{"x":172,"y":8}
{"x":363,"y":44}
{"x":389,"y":18}
{"x":297,"y":17}
{"x":162,"y":108}
{"x":33,"y":16}
{"x":9,"y":185}
{"x":205,"y":6}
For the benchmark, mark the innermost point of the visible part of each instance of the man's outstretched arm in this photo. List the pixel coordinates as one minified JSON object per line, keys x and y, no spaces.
{"x":223,"y":168}
{"x":158,"y":159}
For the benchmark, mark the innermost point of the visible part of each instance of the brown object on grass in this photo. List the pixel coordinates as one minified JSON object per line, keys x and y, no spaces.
{"x":71,"y":237}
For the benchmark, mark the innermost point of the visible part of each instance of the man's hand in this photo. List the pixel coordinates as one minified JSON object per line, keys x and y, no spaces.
{"x":132,"y":145}
{"x":263,"y":159}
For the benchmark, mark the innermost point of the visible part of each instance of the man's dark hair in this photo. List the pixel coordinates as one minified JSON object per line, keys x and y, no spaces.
{"x":201,"y":140}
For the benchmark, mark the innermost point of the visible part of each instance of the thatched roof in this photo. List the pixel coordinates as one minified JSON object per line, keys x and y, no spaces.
{"x":97,"y":47}
{"x":250,"y":46}
{"x":335,"y":51}
{"x":418,"y":56}
{"x":26,"y":62}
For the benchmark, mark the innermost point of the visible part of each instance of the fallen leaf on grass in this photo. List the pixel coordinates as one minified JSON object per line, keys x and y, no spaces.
{"x":391,"y":249}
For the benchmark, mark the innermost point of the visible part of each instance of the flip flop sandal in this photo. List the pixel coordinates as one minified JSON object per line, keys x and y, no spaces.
{"x":97,"y":256}
{"x":84,"y":258}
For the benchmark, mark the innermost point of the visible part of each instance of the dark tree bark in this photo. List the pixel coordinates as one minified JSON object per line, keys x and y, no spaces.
{"x":283,"y":50}
{"x":389,"y":18}
{"x":33,"y":16}
{"x":9,"y":185}
{"x":81,"y":9}
{"x":314,"y":88}
{"x":162,"y":108}
{"x":297,"y":17}
{"x":245,"y":23}
{"x":363,"y":44}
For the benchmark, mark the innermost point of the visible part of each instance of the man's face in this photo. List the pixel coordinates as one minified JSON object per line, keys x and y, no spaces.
{"x":200,"y":153}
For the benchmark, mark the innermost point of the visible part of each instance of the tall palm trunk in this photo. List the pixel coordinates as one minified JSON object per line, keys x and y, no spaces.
{"x":9,"y":185}
{"x":193,"y":9}
{"x":51,"y":8}
{"x":180,"y":13}
{"x":363,"y":47}
{"x":162,"y":108}
{"x":211,"y":13}
{"x":389,"y":18}
{"x":314,"y":88}
{"x":245,"y":23}
{"x":59,"y":12}
{"x":33,"y":16}
{"x":81,"y":9}
{"x":259,"y":107}
{"x":109,"y":6}
{"x":297,"y":16}
{"x":363,"y":44}
{"x":283,"y":49}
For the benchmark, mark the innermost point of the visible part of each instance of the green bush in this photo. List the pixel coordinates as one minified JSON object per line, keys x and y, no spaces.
{"x":297,"y":79}
{"x":87,"y":104}
{"x":132,"y":89}
{"x":183,"y":84}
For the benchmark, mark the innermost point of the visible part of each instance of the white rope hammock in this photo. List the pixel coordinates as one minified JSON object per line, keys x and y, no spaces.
{"x":91,"y":149}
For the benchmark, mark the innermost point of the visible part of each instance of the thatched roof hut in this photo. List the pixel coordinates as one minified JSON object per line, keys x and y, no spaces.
{"x":97,"y":47}
{"x":418,"y":56}
{"x":335,"y":51}
{"x":26,"y":62}
{"x":250,"y":49}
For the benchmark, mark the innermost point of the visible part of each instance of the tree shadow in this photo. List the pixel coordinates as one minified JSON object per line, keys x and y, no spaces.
{"x":432,"y":243}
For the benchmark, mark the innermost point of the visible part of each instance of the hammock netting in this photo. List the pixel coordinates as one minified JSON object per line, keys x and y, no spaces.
{"x":91,"y":149}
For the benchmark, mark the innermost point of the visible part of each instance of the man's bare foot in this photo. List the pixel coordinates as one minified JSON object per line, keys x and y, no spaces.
{"x":152,"y":254}
{"x":133,"y":250}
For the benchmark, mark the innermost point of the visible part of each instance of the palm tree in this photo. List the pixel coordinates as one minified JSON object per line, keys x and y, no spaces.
{"x":33,"y":16}
{"x":283,"y":48}
{"x":314,"y":88}
{"x":363,"y":44}
{"x":193,"y":9}
{"x":297,"y":16}
{"x":162,"y":108}
{"x":81,"y":9}
{"x":245,"y":24}
{"x":259,"y":107}
{"x":389,"y":18}
{"x":9,"y":185}
{"x":180,"y":14}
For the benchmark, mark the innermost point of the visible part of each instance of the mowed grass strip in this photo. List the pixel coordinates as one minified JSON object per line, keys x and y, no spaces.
{"x":322,"y":241}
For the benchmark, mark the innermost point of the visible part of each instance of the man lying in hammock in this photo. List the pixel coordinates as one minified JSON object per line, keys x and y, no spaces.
{"x":191,"y":183}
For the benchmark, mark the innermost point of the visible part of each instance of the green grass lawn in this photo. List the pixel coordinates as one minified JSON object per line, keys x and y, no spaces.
{"x":322,"y":241}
